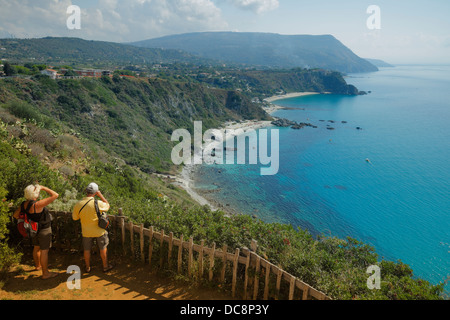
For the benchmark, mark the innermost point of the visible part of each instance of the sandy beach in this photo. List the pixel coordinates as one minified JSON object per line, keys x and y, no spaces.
{"x":289,"y":95}
{"x":273,"y":107}
{"x":184,"y":179}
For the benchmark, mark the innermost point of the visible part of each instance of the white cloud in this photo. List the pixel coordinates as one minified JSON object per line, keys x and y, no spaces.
{"x":258,"y":6}
{"x":110,"y":20}
{"x":32,"y":18}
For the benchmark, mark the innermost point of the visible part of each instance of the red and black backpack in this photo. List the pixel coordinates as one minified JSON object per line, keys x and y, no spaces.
{"x":27,"y":227}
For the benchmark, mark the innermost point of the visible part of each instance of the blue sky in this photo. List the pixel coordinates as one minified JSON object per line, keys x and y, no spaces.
{"x":411,"y":31}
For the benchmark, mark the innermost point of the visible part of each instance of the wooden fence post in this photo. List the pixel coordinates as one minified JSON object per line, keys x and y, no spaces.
{"x":150,"y":247}
{"x":122,"y":229}
{"x":305,"y":292}
{"x":200,"y":259}
{"x":169,"y":255}
{"x":224,"y":261}
{"x":130,"y":225}
{"x":256,"y":281}
{"x":266,"y":286}
{"x":278,"y":286}
{"x":191,"y":256}
{"x":247,"y":265}
{"x":254,"y":245}
{"x":161,"y":244}
{"x":292,"y":288}
{"x":180,"y":254}
{"x":235,"y":267}
{"x":211,"y":261}
{"x":141,"y":242}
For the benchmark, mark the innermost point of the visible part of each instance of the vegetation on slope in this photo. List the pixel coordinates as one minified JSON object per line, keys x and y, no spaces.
{"x":261,"y":84}
{"x":130,"y":118}
{"x":75,"y":51}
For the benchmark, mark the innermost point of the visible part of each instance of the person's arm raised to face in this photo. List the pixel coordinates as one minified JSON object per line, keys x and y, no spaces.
{"x":100,"y":195}
{"x":45,"y":202}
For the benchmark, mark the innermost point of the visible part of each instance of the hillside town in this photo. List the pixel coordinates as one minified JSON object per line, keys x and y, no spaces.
{"x":56,"y":74}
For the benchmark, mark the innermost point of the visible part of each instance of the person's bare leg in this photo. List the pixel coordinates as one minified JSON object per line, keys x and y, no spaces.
{"x":104,"y":256}
{"x":37,"y":257}
{"x":44,"y":263}
{"x":87,"y":259}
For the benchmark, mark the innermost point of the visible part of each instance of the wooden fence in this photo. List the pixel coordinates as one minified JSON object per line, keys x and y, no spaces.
{"x":252,"y":277}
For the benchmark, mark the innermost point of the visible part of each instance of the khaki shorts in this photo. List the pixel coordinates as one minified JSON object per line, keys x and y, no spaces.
{"x":102,"y":242}
{"x":43,"y":239}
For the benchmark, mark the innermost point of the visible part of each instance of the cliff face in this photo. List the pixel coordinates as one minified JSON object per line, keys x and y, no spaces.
{"x":270,"y":82}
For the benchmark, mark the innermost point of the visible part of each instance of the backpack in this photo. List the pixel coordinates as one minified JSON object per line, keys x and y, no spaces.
{"x":27,"y":227}
{"x":103,"y":221}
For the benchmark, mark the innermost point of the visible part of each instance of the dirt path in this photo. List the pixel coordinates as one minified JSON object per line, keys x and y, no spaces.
{"x":124,"y":282}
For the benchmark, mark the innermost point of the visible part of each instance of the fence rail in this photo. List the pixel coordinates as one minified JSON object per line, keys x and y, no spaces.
{"x":249,"y":271}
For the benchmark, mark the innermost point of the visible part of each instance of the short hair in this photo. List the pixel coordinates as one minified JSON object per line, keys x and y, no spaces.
{"x":32,"y":192}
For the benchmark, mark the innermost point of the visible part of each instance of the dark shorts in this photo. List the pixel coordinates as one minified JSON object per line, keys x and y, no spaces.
{"x":102,"y":242}
{"x":43,"y":239}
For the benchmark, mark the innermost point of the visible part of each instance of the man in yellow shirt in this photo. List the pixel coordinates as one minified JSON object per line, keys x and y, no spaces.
{"x":85,"y":211}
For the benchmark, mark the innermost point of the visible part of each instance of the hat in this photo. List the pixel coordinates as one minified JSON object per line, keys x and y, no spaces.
{"x":92,"y":188}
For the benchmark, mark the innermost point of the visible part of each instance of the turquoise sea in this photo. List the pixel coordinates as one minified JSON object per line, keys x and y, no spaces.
{"x":398,"y":202}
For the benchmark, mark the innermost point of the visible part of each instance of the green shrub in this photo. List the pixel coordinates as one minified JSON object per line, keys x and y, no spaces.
{"x":24,"y":110}
{"x":8,"y":256}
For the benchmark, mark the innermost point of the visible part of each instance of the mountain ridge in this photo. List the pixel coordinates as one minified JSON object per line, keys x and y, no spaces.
{"x":72,"y":50}
{"x":266,"y":50}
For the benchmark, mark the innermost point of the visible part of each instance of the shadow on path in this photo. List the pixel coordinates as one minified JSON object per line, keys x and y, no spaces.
{"x":127,"y":281}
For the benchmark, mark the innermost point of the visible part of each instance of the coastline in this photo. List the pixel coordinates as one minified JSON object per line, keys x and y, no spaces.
{"x":185,"y":178}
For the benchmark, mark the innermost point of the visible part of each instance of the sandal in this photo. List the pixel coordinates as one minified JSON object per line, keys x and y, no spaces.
{"x":108,"y":268}
{"x":52,"y":275}
{"x":87,"y":269}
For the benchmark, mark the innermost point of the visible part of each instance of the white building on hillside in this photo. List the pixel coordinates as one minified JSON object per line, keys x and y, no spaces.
{"x":50,"y":72}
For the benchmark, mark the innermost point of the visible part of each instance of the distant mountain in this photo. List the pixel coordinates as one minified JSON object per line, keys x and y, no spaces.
{"x":266,"y":50}
{"x":380,"y":63}
{"x":93,"y":53}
